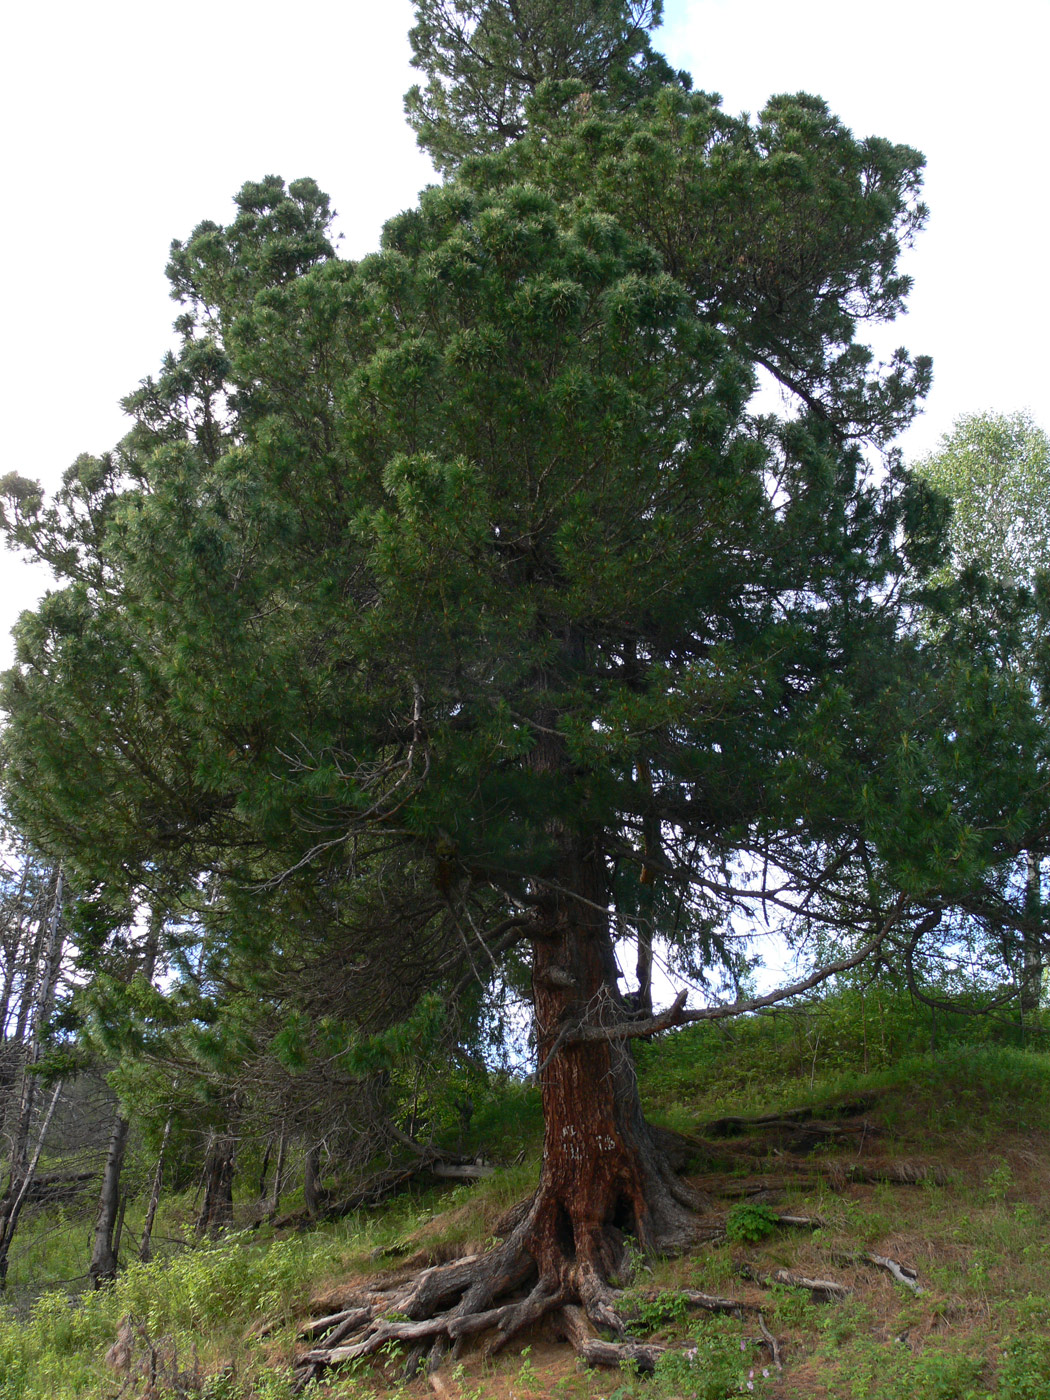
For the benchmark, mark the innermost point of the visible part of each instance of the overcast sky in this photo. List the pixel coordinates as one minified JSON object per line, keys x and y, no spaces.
{"x":126,"y":123}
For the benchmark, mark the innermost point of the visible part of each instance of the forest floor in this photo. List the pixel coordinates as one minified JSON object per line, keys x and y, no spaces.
{"x":882,"y":1233}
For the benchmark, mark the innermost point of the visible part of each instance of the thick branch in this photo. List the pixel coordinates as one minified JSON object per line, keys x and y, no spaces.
{"x":677,"y":1015}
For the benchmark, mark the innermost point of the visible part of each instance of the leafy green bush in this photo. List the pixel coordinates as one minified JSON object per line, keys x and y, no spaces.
{"x":750,"y":1221}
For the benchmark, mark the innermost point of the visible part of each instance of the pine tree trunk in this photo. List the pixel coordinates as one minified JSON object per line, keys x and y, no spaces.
{"x":644,"y":965}
{"x":278,"y":1174}
{"x":103,"y":1266}
{"x":109,"y":1220}
{"x":602,"y":1178}
{"x":219,"y":1165}
{"x":313,"y":1191}
{"x":38,"y":1002}
{"x":33,"y":1020}
{"x":602,"y":1175}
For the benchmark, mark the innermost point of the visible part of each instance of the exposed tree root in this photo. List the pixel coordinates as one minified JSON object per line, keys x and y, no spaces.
{"x":431,"y":1315}
{"x":589,"y":1347}
{"x":566,"y":1269}
{"x":822,"y":1290}
{"x":771,"y":1342}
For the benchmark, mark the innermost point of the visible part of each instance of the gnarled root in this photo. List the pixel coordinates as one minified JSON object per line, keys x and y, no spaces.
{"x":434,"y":1313}
{"x":596,"y":1352}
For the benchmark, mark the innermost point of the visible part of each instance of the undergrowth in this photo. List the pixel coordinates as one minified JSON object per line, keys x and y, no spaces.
{"x":977,"y":1100}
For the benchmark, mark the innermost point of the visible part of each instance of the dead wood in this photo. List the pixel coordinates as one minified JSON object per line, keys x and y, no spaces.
{"x":803,"y":1222}
{"x":903,"y":1273}
{"x":794,"y":1173}
{"x":895,"y":1173}
{"x":771,"y":1342}
{"x":758,"y":1188}
{"x":461,"y":1171}
{"x":822,"y":1290}
{"x":734,"y":1125}
{"x":709,"y":1302}
{"x":379,"y":1186}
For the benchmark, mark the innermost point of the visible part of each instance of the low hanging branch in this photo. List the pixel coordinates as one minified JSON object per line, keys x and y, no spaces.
{"x":677,"y":1015}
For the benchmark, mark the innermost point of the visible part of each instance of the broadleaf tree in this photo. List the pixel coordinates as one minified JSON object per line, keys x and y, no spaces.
{"x":994,"y":468}
{"x":472,"y":560}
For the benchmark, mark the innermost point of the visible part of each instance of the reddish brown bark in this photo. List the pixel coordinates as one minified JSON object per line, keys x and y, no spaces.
{"x":602,"y":1179}
{"x":602,"y":1175}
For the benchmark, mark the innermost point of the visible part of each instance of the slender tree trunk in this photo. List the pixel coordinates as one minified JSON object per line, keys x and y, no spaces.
{"x":146,"y":1247}
{"x":9,"y":1216}
{"x":34,"y":1016}
{"x":644,"y":967}
{"x":103,"y":1266}
{"x":651,"y":856}
{"x":275,"y":1196}
{"x":265,"y":1168}
{"x":1032,"y":951}
{"x":109,"y":1219}
{"x":313,"y":1191}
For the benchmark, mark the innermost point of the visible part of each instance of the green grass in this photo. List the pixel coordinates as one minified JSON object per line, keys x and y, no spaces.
{"x":977,"y":1102}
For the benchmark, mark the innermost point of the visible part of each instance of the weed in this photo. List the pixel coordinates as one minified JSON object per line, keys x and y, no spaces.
{"x":750,"y":1221}
{"x":650,"y":1314}
{"x":1024,"y":1369}
{"x":527,"y":1371}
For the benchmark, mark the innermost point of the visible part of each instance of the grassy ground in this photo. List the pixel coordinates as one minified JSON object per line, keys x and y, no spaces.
{"x":962,"y":1108}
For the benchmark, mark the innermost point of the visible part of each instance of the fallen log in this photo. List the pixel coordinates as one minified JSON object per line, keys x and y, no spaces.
{"x":709,"y":1302}
{"x":733,"y":1125}
{"x":461,"y":1171}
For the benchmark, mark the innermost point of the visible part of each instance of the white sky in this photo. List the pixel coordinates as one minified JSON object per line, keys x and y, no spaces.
{"x":125,"y":123}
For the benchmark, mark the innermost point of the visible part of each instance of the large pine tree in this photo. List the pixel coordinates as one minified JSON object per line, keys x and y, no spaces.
{"x":474,"y":558}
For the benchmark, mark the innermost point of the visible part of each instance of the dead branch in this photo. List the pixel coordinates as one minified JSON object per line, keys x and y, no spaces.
{"x":822,"y":1290}
{"x":771,"y":1342}
{"x":903,"y":1273}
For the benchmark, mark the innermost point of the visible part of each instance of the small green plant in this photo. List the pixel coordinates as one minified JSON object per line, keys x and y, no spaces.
{"x":998,"y":1181}
{"x":749,"y":1222}
{"x":715,"y":1367}
{"x":527,"y":1371}
{"x":1024,"y":1370}
{"x":649,"y":1314}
